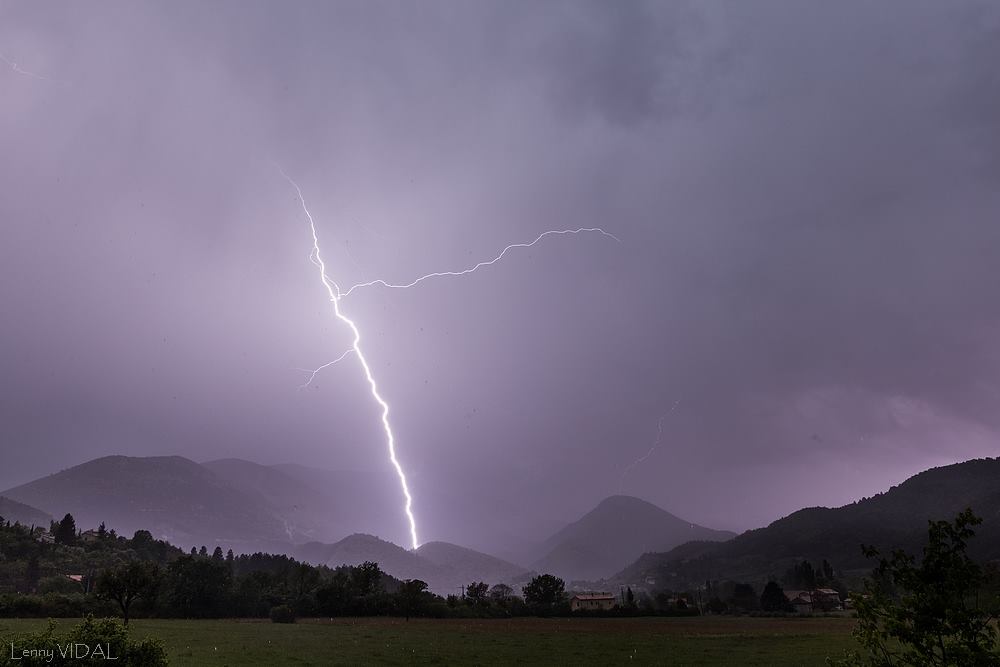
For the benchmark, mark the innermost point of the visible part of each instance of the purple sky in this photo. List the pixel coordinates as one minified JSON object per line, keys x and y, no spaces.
{"x":806,"y":192}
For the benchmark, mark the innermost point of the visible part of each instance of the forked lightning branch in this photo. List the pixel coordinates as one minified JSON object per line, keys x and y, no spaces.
{"x":336,"y":295}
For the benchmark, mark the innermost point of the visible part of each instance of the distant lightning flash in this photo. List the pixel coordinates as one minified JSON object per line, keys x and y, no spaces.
{"x":333,"y":290}
{"x":476,"y":267}
{"x":335,"y":293}
{"x":655,"y":446}
{"x":19,"y":70}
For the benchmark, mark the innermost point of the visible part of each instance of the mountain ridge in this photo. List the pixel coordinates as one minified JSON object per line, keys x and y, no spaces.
{"x":246,"y":506}
{"x":13,"y":511}
{"x":171,"y":496}
{"x":616,"y":532}
{"x":895,"y":518}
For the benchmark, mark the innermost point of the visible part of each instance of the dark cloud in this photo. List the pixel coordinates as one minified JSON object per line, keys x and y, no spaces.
{"x":806,"y":195}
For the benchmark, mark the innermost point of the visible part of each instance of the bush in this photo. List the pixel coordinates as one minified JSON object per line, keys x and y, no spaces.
{"x":52,"y":605}
{"x":58,"y":584}
{"x":104,"y":639}
{"x":282,"y":614}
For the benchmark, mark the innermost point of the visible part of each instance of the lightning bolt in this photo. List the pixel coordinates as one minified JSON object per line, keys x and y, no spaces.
{"x":476,"y":267}
{"x":653,"y":448}
{"x":333,"y":290}
{"x":335,"y":294}
{"x":19,"y":70}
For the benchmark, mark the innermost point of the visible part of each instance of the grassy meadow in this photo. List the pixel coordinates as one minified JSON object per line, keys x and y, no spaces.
{"x":522,"y":641}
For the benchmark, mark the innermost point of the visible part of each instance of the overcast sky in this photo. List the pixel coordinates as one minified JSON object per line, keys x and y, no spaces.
{"x":807,"y":196}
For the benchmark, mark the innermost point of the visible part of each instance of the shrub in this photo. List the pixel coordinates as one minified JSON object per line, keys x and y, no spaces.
{"x":282,"y":614}
{"x":106,"y":637}
{"x":59,"y":584}
{"x":52,"y":605}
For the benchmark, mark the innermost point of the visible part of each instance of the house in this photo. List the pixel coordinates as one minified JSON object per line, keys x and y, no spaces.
{"x":821,"y":600}
{"x":592,"y":601}
{"x":90,"y":536}
{"x":826,"y":599}
{"x":801,"y":601}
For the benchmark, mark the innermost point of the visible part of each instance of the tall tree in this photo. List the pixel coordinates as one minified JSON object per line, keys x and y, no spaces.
{"x":65,"y":531}
{"x":802,"y":575}
{"x":368,"y":578}
{"x":304,"y":578}
{"x":827,"y":571}
{"x":412,"y":595}
{"x":773,"y":598}
{"x":544,"y":591}
{"x":335,"y":595}
{"x":127,"y":583}
{"x":475,"y":593}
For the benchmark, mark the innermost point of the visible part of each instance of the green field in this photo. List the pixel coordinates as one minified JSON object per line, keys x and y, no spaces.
{"x":523,"y":641}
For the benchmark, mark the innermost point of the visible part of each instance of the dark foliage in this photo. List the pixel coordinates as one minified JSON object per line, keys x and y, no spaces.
{"x":105,"y":640}
{"x":545,"y":593}
{"x":144,"y":577}
{"x":127,"y":583}
{"x":744,"y":597}
{"x":198,"y":587}
{"x":773,"y":599}
{"x":927,"y":613}
{"x":413,"y":598}
{"x":65,"y":531}
{"x":282,"y":614}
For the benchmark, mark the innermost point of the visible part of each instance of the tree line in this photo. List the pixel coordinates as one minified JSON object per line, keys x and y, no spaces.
{"x":142,"y":576}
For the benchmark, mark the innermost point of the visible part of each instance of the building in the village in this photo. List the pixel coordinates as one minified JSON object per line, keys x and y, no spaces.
{"x":592,"y":601}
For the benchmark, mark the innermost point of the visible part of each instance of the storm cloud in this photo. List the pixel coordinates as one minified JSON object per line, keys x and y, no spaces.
{"x":806,"y":194}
